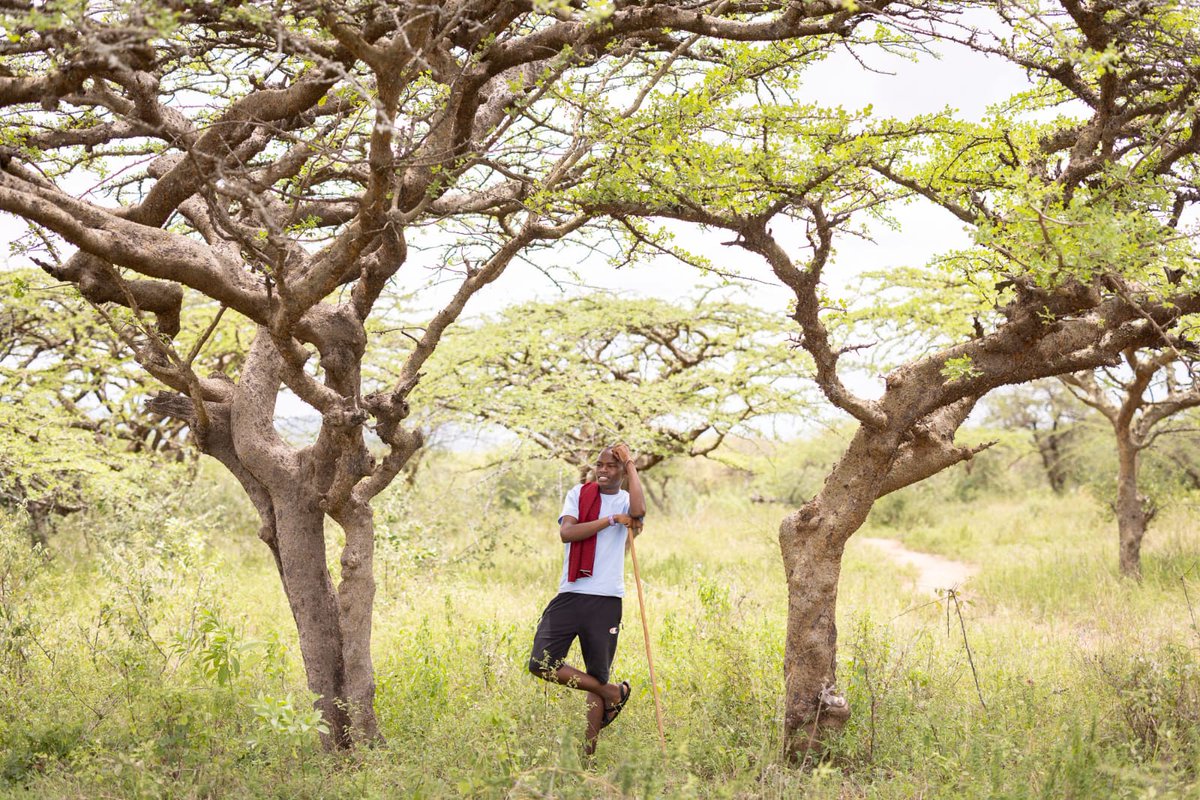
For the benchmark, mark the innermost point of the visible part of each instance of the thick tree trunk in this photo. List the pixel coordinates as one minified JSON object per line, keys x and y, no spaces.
{"x":1132,"y":511}
{"x":356,"y":599}
{"x":300,"y":533}
{"x":812,"y":557}
{"x":811,"y":541}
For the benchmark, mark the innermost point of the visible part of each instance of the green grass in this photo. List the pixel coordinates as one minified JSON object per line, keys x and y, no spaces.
{"x":1091,"y":683}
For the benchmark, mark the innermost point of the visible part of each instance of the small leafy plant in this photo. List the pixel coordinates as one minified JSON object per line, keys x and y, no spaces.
{"x":281,"y":718}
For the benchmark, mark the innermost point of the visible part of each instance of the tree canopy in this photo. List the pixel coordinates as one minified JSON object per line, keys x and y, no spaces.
{"x":670,"y":379}
{"x":74,"y":432}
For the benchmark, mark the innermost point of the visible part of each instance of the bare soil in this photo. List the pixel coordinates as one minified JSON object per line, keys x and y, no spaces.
{"x":933,"y":571}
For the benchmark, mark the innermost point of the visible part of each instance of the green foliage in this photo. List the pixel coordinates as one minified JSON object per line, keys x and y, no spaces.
{"x":281,"y":718}
{"x":1159,"y":698}
{"x":74,"y":432}
{"x":220,"y":651}
{"x":956,"y":369}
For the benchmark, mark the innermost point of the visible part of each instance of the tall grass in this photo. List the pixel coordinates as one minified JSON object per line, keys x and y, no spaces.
{"x":157,"y":658}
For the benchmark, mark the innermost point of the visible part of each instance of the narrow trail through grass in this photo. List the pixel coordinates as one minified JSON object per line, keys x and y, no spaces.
{"x":934,"y":572}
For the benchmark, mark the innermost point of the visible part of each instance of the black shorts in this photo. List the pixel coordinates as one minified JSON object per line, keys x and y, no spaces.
{"x":595,"y":619}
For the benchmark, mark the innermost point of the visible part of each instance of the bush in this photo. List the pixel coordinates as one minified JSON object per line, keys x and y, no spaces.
{"x":1157,"y":694}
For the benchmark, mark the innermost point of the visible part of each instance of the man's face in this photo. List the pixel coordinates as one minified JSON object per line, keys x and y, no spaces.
{"x":608,"y":471}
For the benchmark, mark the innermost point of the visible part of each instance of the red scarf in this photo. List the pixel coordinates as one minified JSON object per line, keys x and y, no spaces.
{"x":583,"y":554}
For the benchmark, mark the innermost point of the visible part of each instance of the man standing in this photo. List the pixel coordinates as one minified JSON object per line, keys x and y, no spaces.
{"x":595,"y":520}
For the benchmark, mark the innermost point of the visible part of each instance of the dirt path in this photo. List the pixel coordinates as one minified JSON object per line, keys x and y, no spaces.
{"x":933,"y":572}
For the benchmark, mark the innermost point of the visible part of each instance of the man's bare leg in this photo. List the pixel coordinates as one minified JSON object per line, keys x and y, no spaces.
{"x":595,"y":716}
{"x":600,"y":695}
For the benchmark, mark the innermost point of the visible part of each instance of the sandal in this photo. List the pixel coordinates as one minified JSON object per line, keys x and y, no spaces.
{"x":611,"y":712}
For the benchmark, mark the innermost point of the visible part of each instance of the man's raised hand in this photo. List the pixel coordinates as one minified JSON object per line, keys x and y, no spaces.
{"x":621,"y":451}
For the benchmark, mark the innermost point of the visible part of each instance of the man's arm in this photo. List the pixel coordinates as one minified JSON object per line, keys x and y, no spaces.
{"x":572,"y":530}
{"x":637,"y":500}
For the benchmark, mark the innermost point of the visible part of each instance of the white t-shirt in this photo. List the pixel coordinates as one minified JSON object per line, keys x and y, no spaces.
{"x":608,"y":571}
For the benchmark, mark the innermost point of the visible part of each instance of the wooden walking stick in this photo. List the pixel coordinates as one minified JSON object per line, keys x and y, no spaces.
{"x":637,"y":578}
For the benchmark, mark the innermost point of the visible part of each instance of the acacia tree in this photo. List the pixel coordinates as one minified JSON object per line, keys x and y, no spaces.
{"x":1053,"y":420}
{"x":1078,"y":254}
{"x":286,"y":161}
{"x":1139,"y":402}
{"x":73,"y":428}
{"x":670,"y":379}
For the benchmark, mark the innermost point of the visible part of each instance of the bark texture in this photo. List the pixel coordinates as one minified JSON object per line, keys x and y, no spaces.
{"x":300,"y":528}
{"x":1133,"y":509}
{"x":813,"y":566}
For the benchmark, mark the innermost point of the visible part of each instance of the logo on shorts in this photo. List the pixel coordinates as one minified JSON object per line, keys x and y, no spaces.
{"x":613,"y":631}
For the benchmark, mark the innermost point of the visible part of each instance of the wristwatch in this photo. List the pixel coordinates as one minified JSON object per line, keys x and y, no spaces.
{"x":611,"y":521}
